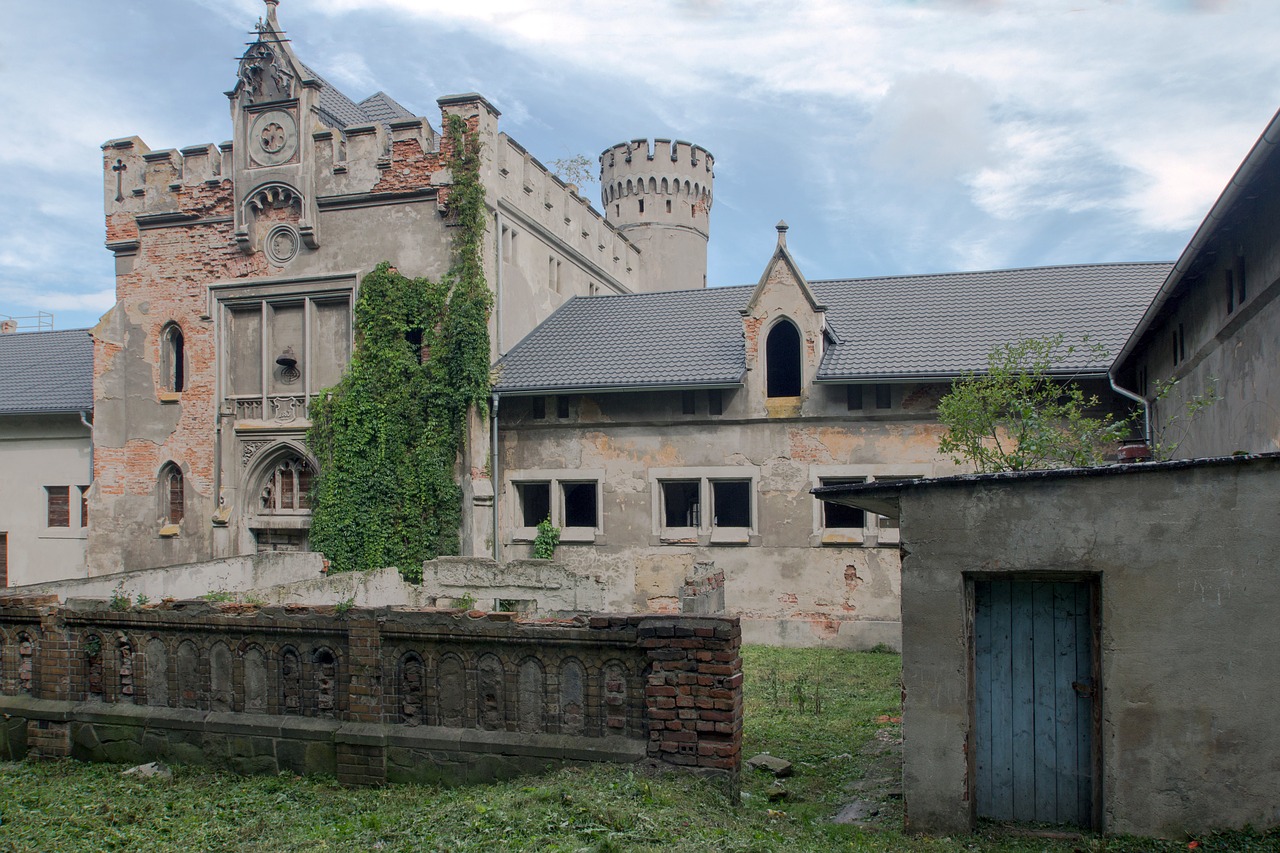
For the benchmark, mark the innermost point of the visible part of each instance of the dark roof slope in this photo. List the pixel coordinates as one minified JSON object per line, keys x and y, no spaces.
{"x":382,"y":107}
{"x":339,"y":111}
{"x":943,"y":325}
{"x":899,"y":327}
{"x":45,"y":372}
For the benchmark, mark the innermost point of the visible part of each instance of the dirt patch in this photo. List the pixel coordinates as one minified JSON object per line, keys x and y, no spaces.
{"x":876,"y":797}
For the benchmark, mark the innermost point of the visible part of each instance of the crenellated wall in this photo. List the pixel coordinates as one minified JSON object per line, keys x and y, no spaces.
{"x":369,"y":695}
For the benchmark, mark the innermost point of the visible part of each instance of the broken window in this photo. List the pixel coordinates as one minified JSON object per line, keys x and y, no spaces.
{"x":681,"y":503}
{"x":287,"y":486}
{"x":889,"y":526}
{"x":731,"y":503}
{"x":782,"y":357}
{"x":535,"y":503}
{"x":173,"y":361}
{"x":58,"y":506}
{"x":580,"y":507}
{"x":839,"y":516}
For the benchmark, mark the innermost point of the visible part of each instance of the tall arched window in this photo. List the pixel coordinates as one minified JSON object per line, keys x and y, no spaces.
{"x":287,"y":487}
{"x":172,"y":498}
{"x":782,"y":358}
{"x":173,"y":361}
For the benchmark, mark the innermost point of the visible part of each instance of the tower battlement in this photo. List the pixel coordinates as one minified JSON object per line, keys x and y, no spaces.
{"x":659,"y":194}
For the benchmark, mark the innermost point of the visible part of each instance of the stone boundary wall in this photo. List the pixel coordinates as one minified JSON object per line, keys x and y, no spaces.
{"x":369,"y":695}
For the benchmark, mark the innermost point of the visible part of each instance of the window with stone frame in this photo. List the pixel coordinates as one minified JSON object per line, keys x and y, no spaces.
{"x":711,"y":505}
{"x":286,"y":488}
{"x":838,"y":519}
{"x":783,"y":366}
{"x":172,"y":494}
{"x":570,"y":499}
{"x":173,"y":362}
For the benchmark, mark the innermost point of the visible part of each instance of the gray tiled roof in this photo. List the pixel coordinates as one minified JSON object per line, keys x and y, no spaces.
{"x":46,"y":372}
{"x":898,"y":327}
{"x":339,"y":111}
{"x":382,"y":107}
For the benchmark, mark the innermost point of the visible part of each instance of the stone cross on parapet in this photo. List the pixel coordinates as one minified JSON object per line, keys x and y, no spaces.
{"x":119,"y":168}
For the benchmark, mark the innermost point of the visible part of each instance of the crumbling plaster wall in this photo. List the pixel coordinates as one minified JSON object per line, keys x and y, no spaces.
{"x":787,"y":587}
{"x":1186,"y":561}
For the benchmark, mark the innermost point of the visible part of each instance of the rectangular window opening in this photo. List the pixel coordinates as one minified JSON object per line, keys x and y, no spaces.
{"x":688,"y":404}
{"x":884,"y":396}
{"x":1231,"y":292}
{"x":535,"y":503}
{"x":681,"y":506}
{"x":562,"y":406}
{"x":84,"y":506}
{"x":731,"y":503}
{"x":839,"y":515}
{"x":715,"y":402}
{"x":580,"y":506}
{"x":538,"y":408}
{"x":58,"y":505}
{"x":668,"y":205}
{"x":853,"y":397}
{"x":642,"y":205}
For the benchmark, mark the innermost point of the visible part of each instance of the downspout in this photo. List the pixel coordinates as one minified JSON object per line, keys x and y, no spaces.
{"x":497,"y":286}
{"x":86,"y":422}
{"x":494,"y":479}
{"x":1142,"y":401}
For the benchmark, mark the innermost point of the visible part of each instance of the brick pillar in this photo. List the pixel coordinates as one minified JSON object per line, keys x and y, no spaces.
{"x":51,"y":738}
{"x":693,"y":698}
{"x":361,"y":744}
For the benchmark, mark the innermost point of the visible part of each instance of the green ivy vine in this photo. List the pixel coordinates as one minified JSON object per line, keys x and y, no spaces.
{"x":387,"y":437}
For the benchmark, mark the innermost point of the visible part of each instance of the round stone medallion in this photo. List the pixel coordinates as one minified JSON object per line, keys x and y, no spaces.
{"x":273,"y":138}
{"x":282,"y":244}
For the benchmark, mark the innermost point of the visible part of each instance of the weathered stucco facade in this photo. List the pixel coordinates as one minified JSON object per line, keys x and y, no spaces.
{"x":1184,"y":672}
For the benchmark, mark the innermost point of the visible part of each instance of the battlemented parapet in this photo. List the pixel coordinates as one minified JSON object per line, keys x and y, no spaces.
{"x":659,"y":195}
{"x":369,"y":695}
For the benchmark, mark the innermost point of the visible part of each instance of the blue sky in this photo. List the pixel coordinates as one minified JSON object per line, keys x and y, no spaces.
{"x":895,"y":136}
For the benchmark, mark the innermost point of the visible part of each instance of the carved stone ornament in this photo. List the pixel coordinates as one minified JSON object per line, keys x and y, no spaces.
{"x":248,"y":449}
{"x":264,"y":77}
{"x":282,"y":244}
{"x":273,"y":138}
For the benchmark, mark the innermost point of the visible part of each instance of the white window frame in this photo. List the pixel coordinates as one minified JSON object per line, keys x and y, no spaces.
{"x":706,"y":532}
{"x":872,"y":533}
{"x":557,"y":479}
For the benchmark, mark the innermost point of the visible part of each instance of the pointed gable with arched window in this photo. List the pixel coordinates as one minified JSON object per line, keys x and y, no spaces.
{"x":784,"y":330}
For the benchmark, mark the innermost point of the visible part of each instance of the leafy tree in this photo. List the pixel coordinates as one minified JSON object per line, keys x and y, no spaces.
{"x":1022,"y":413}
{"x":576,"y":170}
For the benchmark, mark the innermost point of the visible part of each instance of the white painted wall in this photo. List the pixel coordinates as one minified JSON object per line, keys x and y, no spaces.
{"x":39,"y":451}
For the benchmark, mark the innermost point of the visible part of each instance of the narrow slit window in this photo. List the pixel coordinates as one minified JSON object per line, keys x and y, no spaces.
{"x":84,"y":506}
{"x":172,"y":494}
{"x":174,"y":358}
{"x":681,"y":506}
{"x":1231,"y":292}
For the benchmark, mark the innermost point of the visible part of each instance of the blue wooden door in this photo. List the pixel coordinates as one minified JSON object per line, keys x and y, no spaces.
{"x":1034,"y":700}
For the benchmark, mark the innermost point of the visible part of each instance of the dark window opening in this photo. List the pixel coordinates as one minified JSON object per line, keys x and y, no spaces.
{"x":1175,"y":347}
{"x":884,"y":396}
{"x":535,"y":503}
{"x":288,"y":487}
{"x":731,"y":502}
{"x":1231,"y":292}
{"x":642,"y":205}
{"x":579,"y":504}
{"x":4,"y":559}
{"x":681,"y":505}
{"x":839,"y":515}
{"x":84,"y":506}
{"x":1241,"y":293}
{"x":174,"y":361}
{"x":853,"y":397}
{"x":668,"y":205}
{"x":687,"y":402}
{"x":562,"y":406}
{"x":539,"y":407}
{"x":782,"y":354}
{"x":1182,"y":343}
{"x":174,"y":503}
{"x":58,"y":505}
{"x":715,"y":402}
{"x":414,"y":337}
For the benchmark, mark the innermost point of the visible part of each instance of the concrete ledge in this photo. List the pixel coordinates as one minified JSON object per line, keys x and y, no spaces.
{"x":854,"y":634}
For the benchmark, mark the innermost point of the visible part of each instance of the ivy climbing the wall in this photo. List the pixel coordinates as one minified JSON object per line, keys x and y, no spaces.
{"x":387,"y":437}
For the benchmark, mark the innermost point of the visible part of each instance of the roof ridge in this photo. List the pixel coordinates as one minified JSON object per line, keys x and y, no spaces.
{"x":995,"y":271}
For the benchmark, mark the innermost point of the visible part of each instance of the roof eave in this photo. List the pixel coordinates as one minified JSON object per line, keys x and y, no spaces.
{"x":614,"y":388}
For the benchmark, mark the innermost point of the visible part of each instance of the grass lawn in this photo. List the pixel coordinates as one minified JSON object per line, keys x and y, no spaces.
{"x":834,"y":714}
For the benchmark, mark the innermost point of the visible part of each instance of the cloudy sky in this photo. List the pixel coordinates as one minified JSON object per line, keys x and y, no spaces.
{"x":895,"y":136}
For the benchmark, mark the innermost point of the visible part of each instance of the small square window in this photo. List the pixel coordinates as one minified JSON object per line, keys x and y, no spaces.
{"x":731,"y":503}
{"x":535,"y":503}
{"x":580,"y":507}
{"x":681,"y":503}
{"x":58,"y":506}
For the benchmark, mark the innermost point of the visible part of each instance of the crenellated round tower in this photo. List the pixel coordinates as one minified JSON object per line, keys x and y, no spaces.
{"x":659,"y":195}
